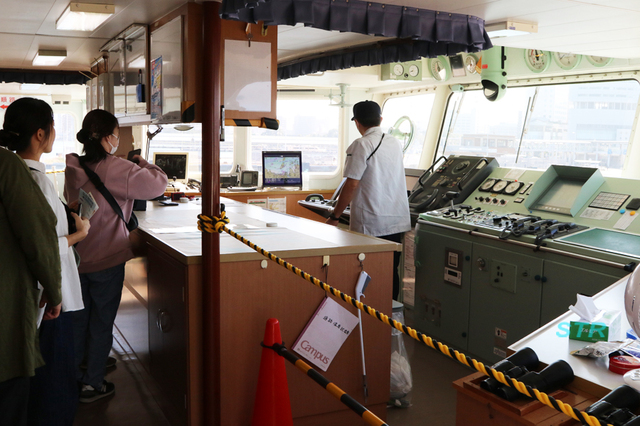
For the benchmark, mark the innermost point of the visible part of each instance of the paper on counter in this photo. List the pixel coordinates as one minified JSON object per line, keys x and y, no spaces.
{"x":626,"y":219}
{"x":514,"y":174}
{"x":176,"y":230}
{"x":597,"y":214}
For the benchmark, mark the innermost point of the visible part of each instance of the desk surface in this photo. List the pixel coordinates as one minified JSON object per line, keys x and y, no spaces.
{"x":551,"y":342}
{"x":287,"y":236}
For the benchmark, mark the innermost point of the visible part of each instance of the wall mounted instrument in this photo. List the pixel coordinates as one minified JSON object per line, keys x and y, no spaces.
{"x":458,"y":174}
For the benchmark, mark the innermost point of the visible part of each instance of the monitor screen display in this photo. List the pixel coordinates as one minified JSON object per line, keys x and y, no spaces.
{"x":281,"y":168}
{"x":174,"y":164}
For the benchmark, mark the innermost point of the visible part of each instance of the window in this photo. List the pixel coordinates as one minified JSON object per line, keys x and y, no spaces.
{"x":580,"y":124}
{"x":310,"y":126}
{"x":170,"y":139}
{"x":65,"y":142}
{"x":418,"y":109}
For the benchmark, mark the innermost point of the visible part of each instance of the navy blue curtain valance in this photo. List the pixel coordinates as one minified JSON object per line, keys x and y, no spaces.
{"x":373,"y":54}
{"x":433,"y":33}
{"x":42,"y":77}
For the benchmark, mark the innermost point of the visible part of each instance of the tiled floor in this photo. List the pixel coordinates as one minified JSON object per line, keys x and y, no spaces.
{"x":134,"y":403}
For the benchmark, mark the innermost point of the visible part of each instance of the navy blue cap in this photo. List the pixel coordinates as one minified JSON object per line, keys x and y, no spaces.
{"x":366,"y":110}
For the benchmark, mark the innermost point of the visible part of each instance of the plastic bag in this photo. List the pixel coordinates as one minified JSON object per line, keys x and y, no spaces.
{"x":401,"y":379}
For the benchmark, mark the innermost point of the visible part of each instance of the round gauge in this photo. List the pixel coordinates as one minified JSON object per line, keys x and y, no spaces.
{"x":398,"y":69}
{"x":567,"y":61}
{"x":537,"y":60}
{"x":599,"y":61}
{"x":414,"y":70}
{"x":440,"y":69}
{"x":500,"y":185}
{"x":470,"y":62}
{"x":512,"y":188}
{"x":487,"y":185}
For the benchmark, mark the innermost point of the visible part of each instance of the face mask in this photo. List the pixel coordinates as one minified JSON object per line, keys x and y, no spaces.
{"x":113,"y":148}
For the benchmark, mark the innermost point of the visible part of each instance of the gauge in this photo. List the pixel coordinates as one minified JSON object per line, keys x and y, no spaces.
{"x":439,"y":68}
{"x":537,"y":60}
{"x":414,"y":70}
{"x":470,"y":62}
{"x":500,"y":185}
{"x":599,"y":61}
{"x":513,"y":187}
{"x":487,"y":185}
{"x":567,"y":61}
{"x":398,"y":69}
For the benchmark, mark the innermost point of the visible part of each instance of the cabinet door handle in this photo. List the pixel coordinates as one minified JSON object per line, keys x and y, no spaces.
{"x":163,"y":320}
{"x":543,"y":279}
{"x":537,"y":278}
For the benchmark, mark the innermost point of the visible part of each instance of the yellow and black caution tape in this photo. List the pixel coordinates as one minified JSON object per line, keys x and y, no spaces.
{"x":208,"y":224}
{"x":334,"y":390}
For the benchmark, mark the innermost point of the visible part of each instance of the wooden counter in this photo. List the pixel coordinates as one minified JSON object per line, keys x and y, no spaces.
{"x":292,"y":196}
{"x":172,"y":299}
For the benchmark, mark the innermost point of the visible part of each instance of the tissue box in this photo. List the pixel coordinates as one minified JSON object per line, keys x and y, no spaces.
{"x":605,"y":327}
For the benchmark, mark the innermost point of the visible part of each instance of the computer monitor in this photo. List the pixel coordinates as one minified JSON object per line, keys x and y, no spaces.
{"x":174,"y":164}
{"x":281,"y":169}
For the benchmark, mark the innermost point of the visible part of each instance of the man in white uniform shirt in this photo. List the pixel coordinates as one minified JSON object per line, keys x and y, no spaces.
{"x":375,"y":185}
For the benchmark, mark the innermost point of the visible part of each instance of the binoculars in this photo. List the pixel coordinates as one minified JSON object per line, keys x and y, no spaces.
{"x":517,"y":366}
{"x":616,"y":407}
{"x":553,"y":377}
{"x":525,"y":358}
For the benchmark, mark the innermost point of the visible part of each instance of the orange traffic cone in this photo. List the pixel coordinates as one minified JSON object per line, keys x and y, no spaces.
{"x":272,"y":406}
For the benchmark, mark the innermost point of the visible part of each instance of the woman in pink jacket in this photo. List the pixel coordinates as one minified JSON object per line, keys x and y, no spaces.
{"x":105,"y":251}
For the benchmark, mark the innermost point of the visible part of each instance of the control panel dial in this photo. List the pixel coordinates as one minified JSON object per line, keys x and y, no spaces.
{"x":487,"y":185}
{"x":513,"y":187}
{"x":500,"y":185}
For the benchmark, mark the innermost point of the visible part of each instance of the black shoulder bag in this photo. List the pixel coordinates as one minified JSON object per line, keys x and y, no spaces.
{"x":95,"y":179}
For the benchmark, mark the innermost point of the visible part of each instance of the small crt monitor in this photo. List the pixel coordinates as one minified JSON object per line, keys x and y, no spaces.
{"x":174,"y":164}
{"x":282,"y":169}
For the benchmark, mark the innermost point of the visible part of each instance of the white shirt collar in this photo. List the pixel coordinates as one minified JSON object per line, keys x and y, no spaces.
{"x":371,"y":130}
{"x":36,"y":165}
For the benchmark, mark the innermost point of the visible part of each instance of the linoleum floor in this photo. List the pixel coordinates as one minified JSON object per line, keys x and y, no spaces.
{"x":134,"y":403}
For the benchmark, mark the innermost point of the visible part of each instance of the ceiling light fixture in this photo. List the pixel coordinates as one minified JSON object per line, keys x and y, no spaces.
{"x":510,"y":29}
{"x":84,"y":16}
{"x":49,"y":58}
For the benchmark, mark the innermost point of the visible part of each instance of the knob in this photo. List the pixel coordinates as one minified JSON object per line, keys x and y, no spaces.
{"x":464,"y":334}
{"x":537,"y":277}
{"x":481,"y":263}
{"x":467,"y":258}
{"x":543,"y":279}
{"x":503,"y":202}
{"x":494,"y":201}
{"x":481,"y":199}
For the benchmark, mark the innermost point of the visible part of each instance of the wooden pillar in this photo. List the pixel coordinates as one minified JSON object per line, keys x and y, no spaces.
{"x":211,"y":62}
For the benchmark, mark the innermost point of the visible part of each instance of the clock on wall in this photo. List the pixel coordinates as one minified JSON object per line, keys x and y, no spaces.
{"x":599,"y":61}
{"x":440,"y":68}
{"x":537,"y":60}
{"x":567,"y":61}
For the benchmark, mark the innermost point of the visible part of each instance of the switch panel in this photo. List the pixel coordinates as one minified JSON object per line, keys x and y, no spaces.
{"x":503,"y":276}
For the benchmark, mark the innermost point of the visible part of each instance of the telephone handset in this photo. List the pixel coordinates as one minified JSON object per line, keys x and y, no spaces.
{"x":314,"y":197}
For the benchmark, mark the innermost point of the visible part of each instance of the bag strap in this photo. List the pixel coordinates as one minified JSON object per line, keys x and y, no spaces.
{"x":95,"y":179}
{"x":374,"y":151}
